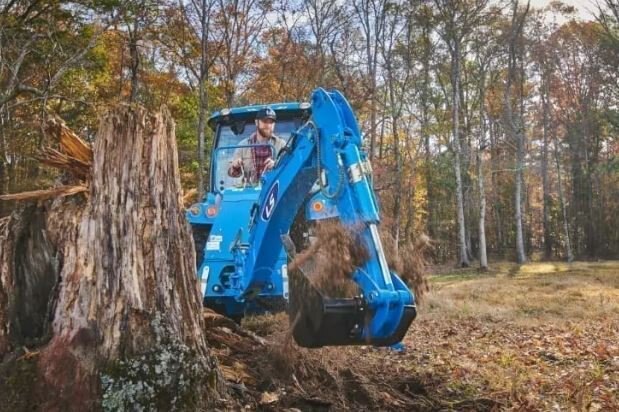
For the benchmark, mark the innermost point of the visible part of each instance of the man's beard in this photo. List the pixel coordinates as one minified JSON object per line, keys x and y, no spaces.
{"x":263,"y":135}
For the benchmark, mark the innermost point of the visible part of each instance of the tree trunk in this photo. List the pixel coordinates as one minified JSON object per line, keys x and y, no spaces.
{"x":455,"y":78}
{"x":494,"y":165}
{"x":568,"y":246}
{"x":545,"y":183}
{"x":203,"y":90}
{"x":514,"y":123}
{"x":521,"y":256}
{"x":483,"y":257}
{"x":104,"y":286}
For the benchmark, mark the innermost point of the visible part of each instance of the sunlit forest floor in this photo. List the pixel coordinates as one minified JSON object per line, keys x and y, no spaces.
{"x":541,"y":336}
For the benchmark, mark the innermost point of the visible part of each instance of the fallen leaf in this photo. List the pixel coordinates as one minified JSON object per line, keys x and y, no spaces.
{"x":268,"y":398}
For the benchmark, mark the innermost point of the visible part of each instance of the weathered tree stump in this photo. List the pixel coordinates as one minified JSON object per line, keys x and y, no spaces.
{"x":103,"y":285}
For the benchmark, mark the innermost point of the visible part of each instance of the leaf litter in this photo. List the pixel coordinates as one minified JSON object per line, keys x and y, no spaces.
{"x":455,"y":358}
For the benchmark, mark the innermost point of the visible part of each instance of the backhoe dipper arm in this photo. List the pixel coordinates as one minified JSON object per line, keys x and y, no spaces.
{"x":331,"y":142}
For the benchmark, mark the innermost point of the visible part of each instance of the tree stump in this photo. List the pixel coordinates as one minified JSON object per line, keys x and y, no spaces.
{"x":103,"y":285}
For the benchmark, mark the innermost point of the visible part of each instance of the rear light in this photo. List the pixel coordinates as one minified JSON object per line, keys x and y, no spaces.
{"x":318,"y":206}
{"x":211,"y":211}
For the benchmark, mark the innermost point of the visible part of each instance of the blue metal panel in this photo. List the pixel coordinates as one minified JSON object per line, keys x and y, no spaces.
{"x":249,"y":110}
{"x":218,"y":267}
{"x":328,"y":211}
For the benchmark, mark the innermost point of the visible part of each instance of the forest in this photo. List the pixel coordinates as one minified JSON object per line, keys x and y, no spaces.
{"x":492,"y":125}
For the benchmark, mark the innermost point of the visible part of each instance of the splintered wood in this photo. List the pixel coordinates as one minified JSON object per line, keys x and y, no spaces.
{"x":75,"y":158}
{"x":60,"y":191}
{"x":70,"y":142}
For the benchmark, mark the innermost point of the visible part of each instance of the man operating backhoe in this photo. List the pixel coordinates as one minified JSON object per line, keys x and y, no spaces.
{"x":256,"y":157}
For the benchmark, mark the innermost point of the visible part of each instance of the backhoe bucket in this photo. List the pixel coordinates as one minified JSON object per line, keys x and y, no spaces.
{"x":318,"y":321}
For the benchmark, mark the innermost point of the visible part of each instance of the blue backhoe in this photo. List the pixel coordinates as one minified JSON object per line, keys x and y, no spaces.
{"x":242,"y":228}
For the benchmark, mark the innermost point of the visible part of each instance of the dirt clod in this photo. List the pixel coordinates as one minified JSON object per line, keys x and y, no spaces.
{"x":409,"y":260}
{"x":331,"y":260}
{"x":337,"y":251}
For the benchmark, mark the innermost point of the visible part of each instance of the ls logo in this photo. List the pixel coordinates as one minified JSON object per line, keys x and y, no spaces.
{"x":269,"y":205}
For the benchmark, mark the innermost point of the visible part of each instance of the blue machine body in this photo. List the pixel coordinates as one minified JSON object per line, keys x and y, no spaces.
{"x":230,"y":201}
{"x":242,"y":263}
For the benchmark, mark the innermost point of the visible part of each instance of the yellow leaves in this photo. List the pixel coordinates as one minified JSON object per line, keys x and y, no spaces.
{"x":237,"y":373}
{"x":268,"y":398}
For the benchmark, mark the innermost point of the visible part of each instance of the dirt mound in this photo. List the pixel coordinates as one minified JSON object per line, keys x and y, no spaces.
{"x":265,"y":370}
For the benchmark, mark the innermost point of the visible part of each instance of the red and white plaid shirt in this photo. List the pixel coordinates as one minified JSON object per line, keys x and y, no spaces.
{"x":260,"y":154}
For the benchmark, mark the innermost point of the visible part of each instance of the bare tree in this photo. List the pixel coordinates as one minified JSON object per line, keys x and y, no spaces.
{"x":566,"y":232}
{"x":325,"y":18}
{"x":513,"y":121}
{"x":485,"y":52}
{"x":203,"y":10}
{"x":545,"y":97}
{"x":137,"y":17}
{"x":457,"y":20}
{"x":397,"y":68}
{"x":423,"y":18}
{"x":239,"y":24}
{"x":371,"y":17}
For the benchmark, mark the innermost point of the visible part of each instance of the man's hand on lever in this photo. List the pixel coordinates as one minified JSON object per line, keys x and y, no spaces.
{"x":268,"y":164}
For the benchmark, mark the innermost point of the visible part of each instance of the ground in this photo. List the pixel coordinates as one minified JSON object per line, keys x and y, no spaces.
{"x":540,"y":336}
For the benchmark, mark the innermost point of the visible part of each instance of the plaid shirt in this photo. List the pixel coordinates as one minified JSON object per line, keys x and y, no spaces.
{"x":255,"y":157}
{"x":260,"y":154}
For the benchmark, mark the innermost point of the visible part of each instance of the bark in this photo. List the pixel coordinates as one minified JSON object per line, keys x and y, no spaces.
{"x":514,"y":124}
{"x":465,"y":151}
{"x":483,"y":256}
{"x":109,"y":276}
{"x":425,"y":135}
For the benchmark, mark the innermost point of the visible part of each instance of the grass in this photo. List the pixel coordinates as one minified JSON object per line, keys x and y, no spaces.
{"x":533,"y":336}
{"x":534,"y":292}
